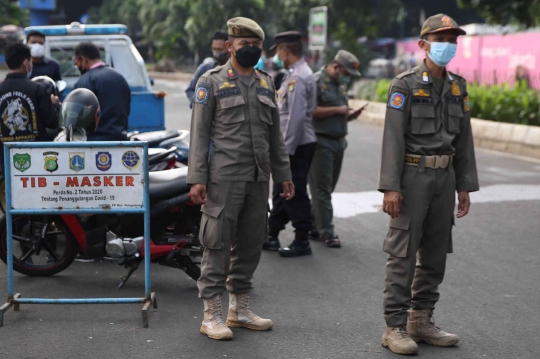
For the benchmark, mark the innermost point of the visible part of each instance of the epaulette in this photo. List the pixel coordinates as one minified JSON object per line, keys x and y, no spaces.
{"x":215,"y":69}
{"x":406,"y":73}
{"x":263,"y":72}
{"x":457,"y":76}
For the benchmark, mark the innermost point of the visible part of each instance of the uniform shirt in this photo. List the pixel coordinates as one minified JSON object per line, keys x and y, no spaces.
{"x":243,"y":123}
{"x":47,"y":67}
{"x":114,"y":96}
{"x":208,"y":64}
{"x":330,"y":93}
{"x":297,"y":99}
{"x":26,"y":110}
{"x":421,"y":121}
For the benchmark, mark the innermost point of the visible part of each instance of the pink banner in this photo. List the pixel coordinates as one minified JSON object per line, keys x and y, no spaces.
{"x":493,"y":59}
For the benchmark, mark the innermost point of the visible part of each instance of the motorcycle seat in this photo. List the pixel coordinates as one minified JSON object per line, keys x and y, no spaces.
{"x":169,"y":183}
{"x":154,"y":138}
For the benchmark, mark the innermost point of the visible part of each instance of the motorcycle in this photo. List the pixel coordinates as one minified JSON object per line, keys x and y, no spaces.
{"x":166,"y":139}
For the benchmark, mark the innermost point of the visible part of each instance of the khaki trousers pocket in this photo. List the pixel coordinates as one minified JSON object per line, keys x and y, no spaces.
{"x":211,"y":225}
{"x":396,"y":242}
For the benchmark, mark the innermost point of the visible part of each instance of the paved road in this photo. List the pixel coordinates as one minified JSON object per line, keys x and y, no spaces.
{"x":327,"y":305}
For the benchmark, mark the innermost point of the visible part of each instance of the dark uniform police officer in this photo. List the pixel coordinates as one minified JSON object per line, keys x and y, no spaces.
{"x":297,"y":99}
{"x":235,"y":108}
{"x":330,"y":121}
{"x":220,"y":56}
{"x":427,"y":155}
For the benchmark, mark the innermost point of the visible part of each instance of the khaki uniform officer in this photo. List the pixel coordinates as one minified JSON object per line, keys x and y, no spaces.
{"x":235,"y":108}
{"x":330,"y":121}
{"x":427,"y":155}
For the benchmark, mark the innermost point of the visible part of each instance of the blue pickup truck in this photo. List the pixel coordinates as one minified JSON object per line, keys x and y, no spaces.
{"x":117,"y":51}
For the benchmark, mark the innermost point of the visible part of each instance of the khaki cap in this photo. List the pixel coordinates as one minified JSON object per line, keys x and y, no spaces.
{"x":440,"y":22}
{"x":349,"y":62}
{"x":244,"y":27}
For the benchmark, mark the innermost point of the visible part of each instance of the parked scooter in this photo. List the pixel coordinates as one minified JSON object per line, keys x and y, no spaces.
{"x":50,"y":243}
{"x":166,"y":139}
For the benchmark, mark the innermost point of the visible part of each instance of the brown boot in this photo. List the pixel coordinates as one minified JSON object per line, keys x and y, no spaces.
{"x":421,"y":328}
{"x":398,"y":341}
{"x":213,"y":324}
{"x":241,"y":316}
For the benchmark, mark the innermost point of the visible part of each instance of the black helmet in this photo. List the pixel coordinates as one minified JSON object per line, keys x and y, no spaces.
{"x":80,"y":110}
{"x":50,"y":85}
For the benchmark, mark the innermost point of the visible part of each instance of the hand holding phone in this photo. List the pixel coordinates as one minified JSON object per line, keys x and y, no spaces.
{"x":354,"y":114}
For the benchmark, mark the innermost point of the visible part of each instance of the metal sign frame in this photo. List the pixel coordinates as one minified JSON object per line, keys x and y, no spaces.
{"x":312,"y":12}
{"x":15,"y":300}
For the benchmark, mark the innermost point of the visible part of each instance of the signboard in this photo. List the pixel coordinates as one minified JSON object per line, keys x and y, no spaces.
{"x":104,"y":177}
{"x":38,"y":4}
{"x":318,"y":24}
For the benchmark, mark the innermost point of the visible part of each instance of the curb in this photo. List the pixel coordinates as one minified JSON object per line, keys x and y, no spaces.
{"x":511,"y":138}
{"x":171,"y":76}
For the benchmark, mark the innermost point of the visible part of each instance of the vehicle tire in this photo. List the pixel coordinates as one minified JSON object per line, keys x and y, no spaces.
{"x":58,"y":237}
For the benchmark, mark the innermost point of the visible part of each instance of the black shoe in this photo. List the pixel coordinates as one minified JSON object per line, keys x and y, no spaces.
{"x":272,"y":245}
{"x":314,"y":234}
{"x":295,"y":249}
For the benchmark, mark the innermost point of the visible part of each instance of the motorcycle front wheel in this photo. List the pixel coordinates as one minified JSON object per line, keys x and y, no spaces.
{"x":57,"y":251}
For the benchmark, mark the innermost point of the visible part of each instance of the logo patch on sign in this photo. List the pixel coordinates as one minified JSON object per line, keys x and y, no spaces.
{"x":466,"y":104}
{"x":397,"y":100}
{"x":103,"y":161}
{"x":51,"y":161}
{"x":22,"y":161}
{"x":130,"y":159}
{"x":201,"y":94}
{"x":455,"y":89}
{"x":76,"y":161}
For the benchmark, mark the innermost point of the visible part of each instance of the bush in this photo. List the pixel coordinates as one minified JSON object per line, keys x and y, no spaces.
{"x":490,"y":102}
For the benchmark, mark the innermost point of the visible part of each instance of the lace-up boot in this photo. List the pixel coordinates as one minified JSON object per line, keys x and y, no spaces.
{"x":240,"y":315}
{"x":398,"y":341}
{"x":422,"y":327}
{"x":213,"y":324}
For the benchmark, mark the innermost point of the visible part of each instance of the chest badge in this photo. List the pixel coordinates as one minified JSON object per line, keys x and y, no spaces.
{"x":226,"y":85}
{"x":455,"y":89}
{"x":230,"y":73}
{"x":291,"y":85}
{"x":421,"y":93}
{"x":263,"y":83}
{"x":425,"y":76}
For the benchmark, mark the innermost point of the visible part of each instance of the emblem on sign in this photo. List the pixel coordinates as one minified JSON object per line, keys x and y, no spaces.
{"x":22,"y":161}
{"x":103,"y":161}
{"x":130,"y":159}
{"x":76,"y":161}
{"x":51,"y":161}
{"x":455,"y":89}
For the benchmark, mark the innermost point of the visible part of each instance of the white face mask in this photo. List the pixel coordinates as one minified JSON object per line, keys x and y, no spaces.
{"x":37,"y":50}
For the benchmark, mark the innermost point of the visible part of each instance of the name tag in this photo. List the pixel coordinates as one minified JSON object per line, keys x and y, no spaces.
{"x":228,"y":92}
{"x":265,"y":92}
{"x":454,"y":99}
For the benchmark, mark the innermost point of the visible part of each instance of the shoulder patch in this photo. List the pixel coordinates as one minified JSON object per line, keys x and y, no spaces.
{"x":202,"y":92}
{"x":466,"y":104}
{"x":403,"y":74}
{"x":398,"y":98}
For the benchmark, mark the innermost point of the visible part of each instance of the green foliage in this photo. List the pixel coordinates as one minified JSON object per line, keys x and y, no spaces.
{"x":11,"y":13}
{"x":521,"y":12}
{"x":496,"y":103}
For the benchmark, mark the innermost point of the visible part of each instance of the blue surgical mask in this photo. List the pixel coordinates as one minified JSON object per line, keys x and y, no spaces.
{"x":442,"y":53}
{"x":278,"y":62}
{"x":344,"y":80}
{"x":29,"y":74}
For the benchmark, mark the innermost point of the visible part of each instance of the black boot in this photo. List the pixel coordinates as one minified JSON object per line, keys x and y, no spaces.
{"x":272,"y":245}
{"x":299,"y":247}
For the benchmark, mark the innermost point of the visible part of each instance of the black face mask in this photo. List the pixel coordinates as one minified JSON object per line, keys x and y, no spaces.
{"x":248,"y":56}
{"x":221,"y":57}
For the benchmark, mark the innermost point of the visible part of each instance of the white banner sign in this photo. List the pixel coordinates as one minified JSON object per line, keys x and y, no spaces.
{"x":77,"y":177}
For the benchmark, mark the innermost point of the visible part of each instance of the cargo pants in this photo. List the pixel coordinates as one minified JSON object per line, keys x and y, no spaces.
{"x":418,"y":242}
{"x":233,"y":228}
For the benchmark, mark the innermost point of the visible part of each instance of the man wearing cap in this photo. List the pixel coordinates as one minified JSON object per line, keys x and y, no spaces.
{"x":330,"y":121}
{"x":427,"y":155}
{"x":296,"y":101}
{"x":235,"y":108}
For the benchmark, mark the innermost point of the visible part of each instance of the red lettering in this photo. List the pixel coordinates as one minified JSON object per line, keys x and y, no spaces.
{"x":72,"y":182}
{"x":119,"y":181}
{"x":107,"y":181}
{"x":24,"y":181}
{"x":33,"y":180}
{"x":42,"y":182}
{"x":97,"y":181}
{"x":86,"y":182}
{"x":129,"y":181}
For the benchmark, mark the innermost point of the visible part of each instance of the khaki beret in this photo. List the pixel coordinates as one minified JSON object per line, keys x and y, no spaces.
{"x":349,"y":62}
{"x":440,"y":22}
{"x":244,"y":27}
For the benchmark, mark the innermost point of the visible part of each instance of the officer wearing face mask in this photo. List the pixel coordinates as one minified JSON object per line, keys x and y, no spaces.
{"x":330,"y":121}
{"x":235,"y":108}
{"x":220,"y":55}
{"x":42,"y":66}
{"x":427,"y":156}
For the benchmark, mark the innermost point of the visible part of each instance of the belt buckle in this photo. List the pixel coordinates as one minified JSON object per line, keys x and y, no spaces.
{"x":439,"y":162}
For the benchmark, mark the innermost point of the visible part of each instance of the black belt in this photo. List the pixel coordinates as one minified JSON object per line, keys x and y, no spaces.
{"x":330,"y":137}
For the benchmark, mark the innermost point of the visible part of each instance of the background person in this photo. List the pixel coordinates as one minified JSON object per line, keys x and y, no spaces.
{"x":42,"y":66}
{"x":111,"y":89}
{"x":235,"y":108}
{"x":330,"y":120}
{"x":220,"y":56}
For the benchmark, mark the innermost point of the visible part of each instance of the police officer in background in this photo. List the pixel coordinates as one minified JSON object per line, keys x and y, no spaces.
{"x":235,"y":108}
{"x":427,"y":155}
{"x":330,"y":121}
{"x":297,"y":99}
{"x":220,"y":55}
{"x":42,"y":66}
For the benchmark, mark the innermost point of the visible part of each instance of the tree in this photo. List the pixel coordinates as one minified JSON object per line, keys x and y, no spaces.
{"x":11,"y":13}
{"x":521,"y":12}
